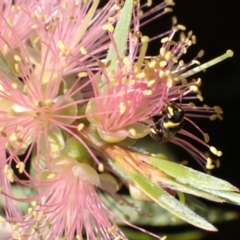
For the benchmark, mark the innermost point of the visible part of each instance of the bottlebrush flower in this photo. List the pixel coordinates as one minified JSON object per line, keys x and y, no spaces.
{"x":73,"y":31}
{"x":130,"y":88}
{"x":79,"y":62}
{"x":14,"y":17}
{"x":68,"y":205}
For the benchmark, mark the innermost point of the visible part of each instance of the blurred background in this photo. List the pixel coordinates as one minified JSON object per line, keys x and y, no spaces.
{"x":216,"y":23}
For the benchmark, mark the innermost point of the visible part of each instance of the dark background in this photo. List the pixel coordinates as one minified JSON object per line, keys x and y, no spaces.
{"x":216,"y":23}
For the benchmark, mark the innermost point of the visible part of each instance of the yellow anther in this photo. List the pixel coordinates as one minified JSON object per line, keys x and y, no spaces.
{"x":196,"y":62}
{"x":122,"y":108}
{"x":140,"y":75}
{"x":131,"y":82}
{"x":181,"y":63}
{"x":168,"y":9}
{"x":61,"y":45}
{"x":213,"y":150}
{"x":219,"y":116}
{"x":163,"y":63}
{"x":20,"y":8}
{"x":174,"y":20}
{"x":147,"y":92}
{"x":189,"y":43}
{"x":117,"y":238}
{"x":184,"y":81}
{"x":34,"y":26}
{"x":132,"y":132}
{"x":80,"y":127}
{"x":206,"y":137}
{"x":194,"y":88}
{"x":152,"y":64}
{"x":17,"y":58}
{"x":70,"y":18}
{"x":64,"y":5}
{"x":213,"y":117}
{"x":164,"y":40}
{"x":218,"y":109}
{"x":21,"y":167}
{"x":51,"y":176}
{"x":82,"y":74}
{"x":108,"y":27}
{"x":169,"y":82}
{"x":16,"y":67}
{"x":49,"y":27}
{"x":151,"y":83}
{"x":162,"y":51}
{"x":83,"y":51}
{"x":9,"y":21}
{"x":181,"y":27}
{"x":209,"y":164}
{"x":10,"y":176}
{"x":200,"y":97}
{"x":101,"y":64}
{"x":127,"y":61}
{"x":194,"y":39}
{"x":37,"y":40}
{"x":191,"y":104}
{"x":30,"y":210}
{"x":100,"y":167}
{"x":33,"y":204}
{"x":39,"y":216}
{"x":200,"y":54}
{"x":219,"y":153}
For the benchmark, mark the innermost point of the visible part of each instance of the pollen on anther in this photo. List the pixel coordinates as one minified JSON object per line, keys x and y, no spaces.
{"x":109,"y":27}
{"x":82,"y":74}
{"x":218,"y":109}
{"x":21,"y":167}
{"x":61,"y":45}
{"x":17,"y":58}
{"x":51,"y":176}
{"x":83,"y":51}
{"x":132,"y":132}
{"x":209,"y":164}
{"x":80,"y":127}
{"x":214,"y":150}
{"x":34,"y":26}
{"x":194,"y":88}
{"x":164,"y":40}
{"x":147,"y":92}
{"x":206,"y":137}
{"x":151,"y":82}
{"x":100,"y":167}
{"x":122,"y":107}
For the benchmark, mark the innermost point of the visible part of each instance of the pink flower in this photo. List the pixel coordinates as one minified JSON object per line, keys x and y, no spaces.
{"x":73,"y":30}
{"x":14,"y":20}
{"x":134,"y":91}
{"x":69,"y":205}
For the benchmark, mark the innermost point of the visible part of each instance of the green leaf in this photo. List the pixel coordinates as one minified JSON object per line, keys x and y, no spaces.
{"x":120,"y":34}
{"x":231,"y":197}
{"x":173,"y":184}
{"x":192,"y":177}
{"x":170,"y":203}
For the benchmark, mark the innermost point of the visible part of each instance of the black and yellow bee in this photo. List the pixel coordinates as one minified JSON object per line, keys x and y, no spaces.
{"x":166,"y":125}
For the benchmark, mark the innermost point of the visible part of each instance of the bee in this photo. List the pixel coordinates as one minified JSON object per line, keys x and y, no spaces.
{"x":165,"y":126}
